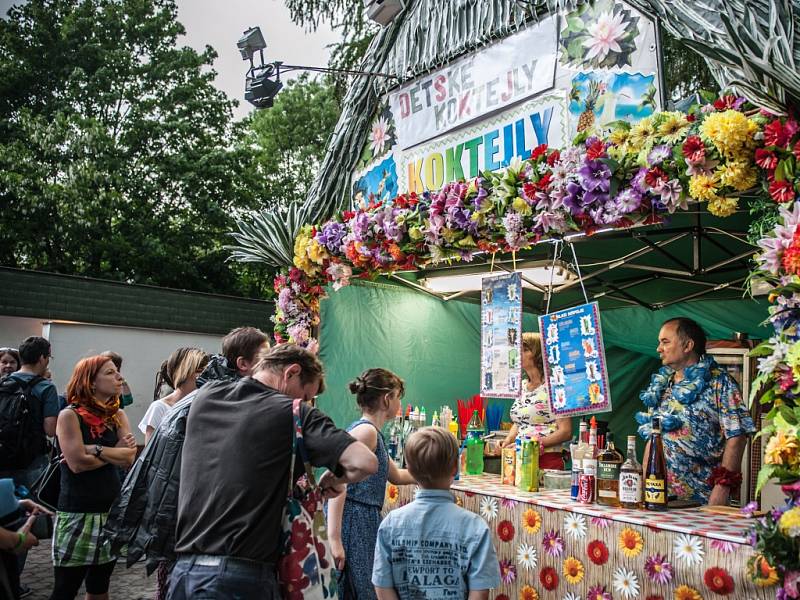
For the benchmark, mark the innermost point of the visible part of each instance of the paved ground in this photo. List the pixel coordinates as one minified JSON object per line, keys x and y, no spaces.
{"x":126,"y":584}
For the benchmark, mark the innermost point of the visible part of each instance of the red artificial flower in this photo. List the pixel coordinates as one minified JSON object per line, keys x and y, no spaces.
{"x":725,"y":103}
{"x":655,"y":177}
{"x":781,"y":191}
{"x":766,"y":159}
{"x":540,"y":150}
{"x":347,"y":215}
{"x":597,"y":552}
{"x":791,"y":256}
{"x":553,"y":157}
{"x":595,"y":150}
{"x":549,"y":578}
{"x":413,"y":199}
{"x":786,"y":381}
{"x":775,"y":134}
{"x":694,"y":149}
{"x":796,"y":150}
{"x":544,"y":181}
{"x":791,"y":127}
{"x":718,"y":581}
{"x":529,"y":190}
{"x":295,"y":274}
{"x":505,"y":531}
{"x":691,"y":118}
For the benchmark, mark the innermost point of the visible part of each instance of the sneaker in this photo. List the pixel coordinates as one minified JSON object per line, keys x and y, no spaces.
{"x":24,"y":590}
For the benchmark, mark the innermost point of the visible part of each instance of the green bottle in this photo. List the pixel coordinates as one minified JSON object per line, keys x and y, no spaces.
{"x":529,"y":477}
{"x":474,"y":447}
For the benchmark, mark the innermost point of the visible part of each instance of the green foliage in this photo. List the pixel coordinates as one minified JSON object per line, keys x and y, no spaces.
{"x":685,"y":71}
{"x":290,"y":139}
{"x":115,"y":153}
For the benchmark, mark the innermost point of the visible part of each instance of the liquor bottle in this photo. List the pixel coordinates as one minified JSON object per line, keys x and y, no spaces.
{"x":630,"y":478}
{"x":474,"y":447}
{"x":577,"y":462}
{"x":655,"y":482}
{"x":588,"y":480}
{"x":608,"y":467}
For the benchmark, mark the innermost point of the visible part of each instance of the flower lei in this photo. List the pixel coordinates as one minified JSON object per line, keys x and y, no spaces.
{"x":695,"y":380}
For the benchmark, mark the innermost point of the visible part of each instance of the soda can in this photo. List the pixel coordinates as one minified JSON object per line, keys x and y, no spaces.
{"x":586,"y":489}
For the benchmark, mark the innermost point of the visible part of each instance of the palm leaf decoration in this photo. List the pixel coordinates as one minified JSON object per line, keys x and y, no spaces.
{"x":267,"y":237}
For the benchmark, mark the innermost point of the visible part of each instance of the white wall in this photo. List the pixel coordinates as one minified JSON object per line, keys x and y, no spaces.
{"x":142,"y":351}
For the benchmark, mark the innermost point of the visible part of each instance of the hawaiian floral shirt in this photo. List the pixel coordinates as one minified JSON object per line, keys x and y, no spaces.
{"x":698,"y":415}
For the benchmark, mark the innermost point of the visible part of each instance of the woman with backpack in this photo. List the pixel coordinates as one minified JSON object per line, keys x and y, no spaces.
{"x":95,"y":439}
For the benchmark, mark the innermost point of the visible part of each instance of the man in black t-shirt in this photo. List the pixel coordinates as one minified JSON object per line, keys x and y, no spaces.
{"x":235,"y":473}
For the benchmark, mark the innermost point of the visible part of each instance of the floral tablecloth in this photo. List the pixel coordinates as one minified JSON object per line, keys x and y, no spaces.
{"x":551,"y":547}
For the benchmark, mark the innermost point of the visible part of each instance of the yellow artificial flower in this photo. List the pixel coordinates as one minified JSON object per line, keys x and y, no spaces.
{"x":643,"y":135}
{"x":731,"y":133}
{"x":619,"y":136}
{"x":531,"y":521}
{"x":722,"y":207}
{"x":674,"y":127}
{"x":782,"y":449}
{"x":573,"y":570}
{"x":684,"y":592}
{"x":789,"y":523}
{"x":631,"y":542}
{"x":302,"y":244}
{"x":317,"y":252}
{"x":703,"y":187}
{"x":528,"y":593}
{"x":521,"y":206}
{"x":415,"y":233}
{"x":761,"y":572}
{"x":793,"y":359}
{"x":739,"y":175}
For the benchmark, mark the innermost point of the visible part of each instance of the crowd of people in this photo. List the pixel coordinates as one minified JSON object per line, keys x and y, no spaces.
{"x":204,"y":505}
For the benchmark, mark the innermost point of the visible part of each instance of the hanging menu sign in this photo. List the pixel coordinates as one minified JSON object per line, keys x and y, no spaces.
{"x":575,"y":361}
{"x":501,"y":336}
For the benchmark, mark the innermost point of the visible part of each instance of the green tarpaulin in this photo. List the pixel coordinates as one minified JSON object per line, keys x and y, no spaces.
{"x":434,"y":345}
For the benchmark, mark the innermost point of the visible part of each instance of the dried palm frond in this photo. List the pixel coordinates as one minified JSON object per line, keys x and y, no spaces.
{"x":267,"y":237}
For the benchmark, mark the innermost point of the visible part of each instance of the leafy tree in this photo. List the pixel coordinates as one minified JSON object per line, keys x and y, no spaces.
{"x":685,"y":71}
{"x":116,"y":158}
{"x":291,"y":138}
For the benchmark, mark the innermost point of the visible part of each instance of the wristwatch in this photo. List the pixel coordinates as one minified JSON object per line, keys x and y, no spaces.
{"x":98,"y":450}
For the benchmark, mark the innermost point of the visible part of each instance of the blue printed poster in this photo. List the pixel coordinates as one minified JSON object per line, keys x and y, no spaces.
{"x":575,"y":361}
{"x":501,"y":336}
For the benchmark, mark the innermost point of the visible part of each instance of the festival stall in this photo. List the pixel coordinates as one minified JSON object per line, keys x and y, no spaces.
{"x":476,"y":168}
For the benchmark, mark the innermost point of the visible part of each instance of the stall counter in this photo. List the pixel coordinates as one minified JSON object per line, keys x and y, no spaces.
{"x":552,"y":547}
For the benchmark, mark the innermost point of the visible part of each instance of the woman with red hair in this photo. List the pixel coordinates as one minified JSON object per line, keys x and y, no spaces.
{"x":95,"y":439}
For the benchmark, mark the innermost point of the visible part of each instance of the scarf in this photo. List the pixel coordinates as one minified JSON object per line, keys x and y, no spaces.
{"x":98,"y":417}
{"x":695,"y":380}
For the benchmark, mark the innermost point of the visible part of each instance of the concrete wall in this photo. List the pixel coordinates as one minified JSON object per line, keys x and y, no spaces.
{"x":143,"y":350}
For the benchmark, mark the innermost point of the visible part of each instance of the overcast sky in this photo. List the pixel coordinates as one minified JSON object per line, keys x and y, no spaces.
{"x":221,"y":23}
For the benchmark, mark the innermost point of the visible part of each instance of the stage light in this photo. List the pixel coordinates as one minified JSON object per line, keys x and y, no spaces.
{"x":252,"y":41}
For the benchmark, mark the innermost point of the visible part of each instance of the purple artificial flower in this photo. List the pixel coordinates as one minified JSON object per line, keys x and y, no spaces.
{"x":512,"y":222}
{"x":553,"y":543}
{"x":671,"y":193}
{"x":595,"y":176}
{"x":286,"y":301}
{"x":598,"y":592}
{"x":629,"y":200}
{"x":658,"y":569}
{"x":571,"y":199}
{"x":360,"y":225}
{"x":791,"y":583}
{"x":659,"y":154}
{"x":460,"y":217}
{"x":638,"y":180}
{"x":594,"y":198}
{"x":482,"y":193}
{"x":331,"y":236}
{"x":749,"y":509}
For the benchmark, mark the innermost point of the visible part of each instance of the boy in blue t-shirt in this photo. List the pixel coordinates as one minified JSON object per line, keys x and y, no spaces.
{"x":432,"y":548}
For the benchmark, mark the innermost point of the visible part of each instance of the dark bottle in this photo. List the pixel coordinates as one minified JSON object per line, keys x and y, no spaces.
{"x":655,"y":480}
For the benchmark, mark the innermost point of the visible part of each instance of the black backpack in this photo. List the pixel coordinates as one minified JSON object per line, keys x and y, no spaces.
{"x":22,"y":439}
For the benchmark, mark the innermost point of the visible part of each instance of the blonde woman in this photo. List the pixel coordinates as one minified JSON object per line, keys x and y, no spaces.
{"x":531,"y":412}
{"x":179,"y":372}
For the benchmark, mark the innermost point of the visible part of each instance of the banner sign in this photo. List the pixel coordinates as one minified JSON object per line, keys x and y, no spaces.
{"x":486,"y":146}
{"x":501,"y":336}
{"x":575,"y":361}
{"x":513,"y":69}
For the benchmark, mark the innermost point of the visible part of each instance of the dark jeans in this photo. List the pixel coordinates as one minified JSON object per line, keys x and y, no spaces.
{"x":201,"y":577}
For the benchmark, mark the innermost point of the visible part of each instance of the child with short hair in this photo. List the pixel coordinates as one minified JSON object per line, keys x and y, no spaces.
{"x":432,"y":548}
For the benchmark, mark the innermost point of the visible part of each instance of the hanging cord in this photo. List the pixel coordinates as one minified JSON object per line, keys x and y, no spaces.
{"x":556,"y":257}
{"x":578,"y":271}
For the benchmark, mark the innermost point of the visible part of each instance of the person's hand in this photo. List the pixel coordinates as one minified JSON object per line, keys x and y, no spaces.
{"x":31,"y":507}
{"x":719,"y":496}
{"x":127,"y":441}
{"x":330,"y":486}
{"x":337,"y":552}
{"x":30,"y":539}
{"x":505,"y":443}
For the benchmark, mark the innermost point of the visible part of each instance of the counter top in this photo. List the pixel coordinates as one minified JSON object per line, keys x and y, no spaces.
{"x":686,"y":520}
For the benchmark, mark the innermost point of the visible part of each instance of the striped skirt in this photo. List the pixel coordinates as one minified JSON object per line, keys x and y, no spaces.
{"x":78,"y":540}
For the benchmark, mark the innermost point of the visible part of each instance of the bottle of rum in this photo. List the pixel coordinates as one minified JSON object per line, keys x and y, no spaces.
{"x":655,"y":482}
{"x":609,"y":463}
{"x":630,"y":478}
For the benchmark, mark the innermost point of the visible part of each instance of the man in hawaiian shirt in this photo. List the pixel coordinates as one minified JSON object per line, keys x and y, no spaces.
{"x":704,"y":421}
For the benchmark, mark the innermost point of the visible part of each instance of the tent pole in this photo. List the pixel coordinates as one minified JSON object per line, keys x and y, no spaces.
{"x":415,"y":286}
{"x":728,"y":261}
{"x":716,"y":288}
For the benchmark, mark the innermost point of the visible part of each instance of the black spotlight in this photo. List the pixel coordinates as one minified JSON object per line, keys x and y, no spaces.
{"x":260,"y":90}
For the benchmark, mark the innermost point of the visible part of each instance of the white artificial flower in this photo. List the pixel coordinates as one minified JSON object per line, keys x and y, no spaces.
{"x":489,"y":508}
{"x":689,"y":549}
{"x":526,"y":556}
{"x":626,"y":583}
{"x":604,"y":35}
{"x":575,"y":525}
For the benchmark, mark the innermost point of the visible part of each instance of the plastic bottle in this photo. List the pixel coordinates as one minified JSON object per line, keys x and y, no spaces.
{"x":453,"y":427}
{"x":423,"y":417}
{"x":474,"y":447}
{"x":435,"y":420}
{"x":529,"y":478}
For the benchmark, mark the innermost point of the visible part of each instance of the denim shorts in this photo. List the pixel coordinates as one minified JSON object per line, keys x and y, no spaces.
{"x":204,"y":577}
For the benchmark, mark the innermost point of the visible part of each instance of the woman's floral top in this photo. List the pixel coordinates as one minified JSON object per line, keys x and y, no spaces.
{"x":531,"y":413}
{"x":698,"y":416}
